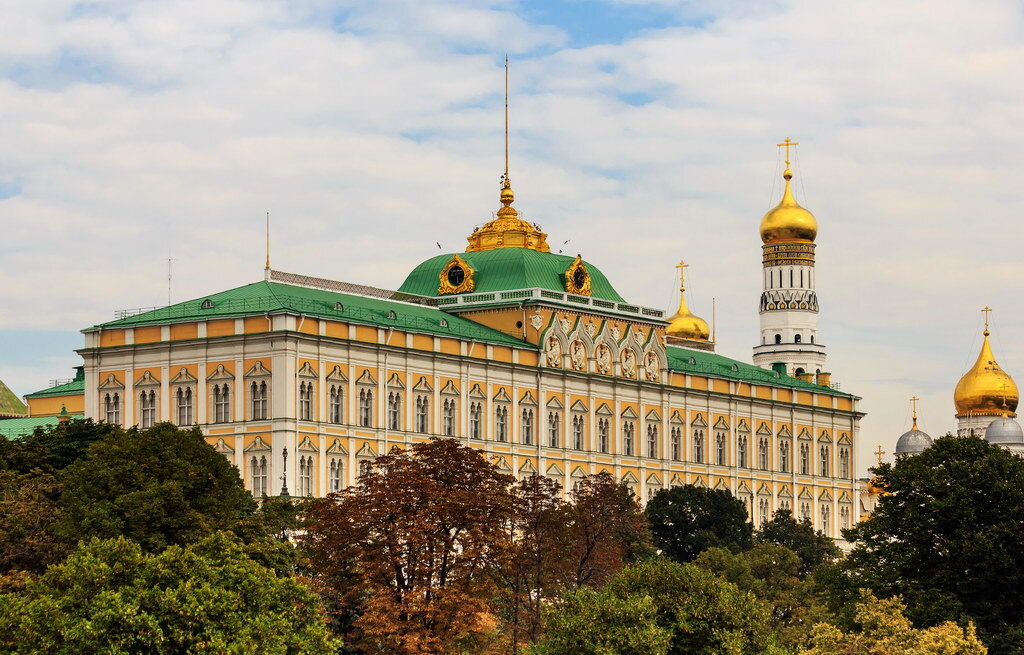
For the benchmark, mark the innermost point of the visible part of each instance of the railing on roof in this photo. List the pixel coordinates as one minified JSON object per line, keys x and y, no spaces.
{"x":527,"y":295}
{"x":57,"y":383}
{"x":349,"y":288}
{"x":128,"y":313}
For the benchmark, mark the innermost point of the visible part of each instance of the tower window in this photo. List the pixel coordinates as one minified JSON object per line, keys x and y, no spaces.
{"x":796,"y":339}
{"x":812,"y":338}
{"x":778,"y":338}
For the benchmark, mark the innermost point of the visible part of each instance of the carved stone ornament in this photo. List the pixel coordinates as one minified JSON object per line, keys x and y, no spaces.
{"x":591,"y":328}
{"x":577,"y":278}
{"x":566,"y":324}
{"x":615,"y":332}
{"x":456,"y":277}
{"x":628,"y":363}
{"x":536,"y":321}
{"x":651,"y":368}
{"x":603,"y":356}
{"x":578,"y":355}
{"x":553,"y":351}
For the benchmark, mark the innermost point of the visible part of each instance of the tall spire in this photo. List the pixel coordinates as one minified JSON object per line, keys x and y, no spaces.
{"x":505,"y":178}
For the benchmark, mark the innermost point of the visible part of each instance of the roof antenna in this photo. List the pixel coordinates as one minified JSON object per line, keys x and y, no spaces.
{"x":169,"y":260}
{"x":266,"y":268}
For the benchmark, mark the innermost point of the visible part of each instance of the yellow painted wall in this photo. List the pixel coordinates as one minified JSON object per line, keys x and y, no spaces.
{"x":51,"y":405}
{"x":220,"y":328}
{"x":111,"y":338}
{"x":150,"y":334}
{"x":256,"y":324}
{"x":181,"y":331}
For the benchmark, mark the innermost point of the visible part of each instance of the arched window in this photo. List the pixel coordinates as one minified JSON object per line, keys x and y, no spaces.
{"x":762,"y":511}
{"x":778,"y":338}
{"x":422,"y":414}
{"x":366,"y":408}
{"x":501,"y":423}
{"x":221,"y":403}
{"x":784,"y":504}
{"x":527,"y":426}
{"x":305,"y":476}
{"x":844,"y":462}
{"x":805,"y":512}
{"x":306,"y":401}
{"x":335,"y":474}
{"x":652,"y":440}
{"x":796,"y":338}
{"x":603,"y":430}
{"x":720,"y":455}
{"x":258,"y":397}
{"x":554,"y":427}
{"x":805,"y":459}
{"x":762,"y":454}
{"x":812,"y":338}
{"x":475,"y":411}
{"x":677,"y":444}
{"x":741,"y":452}
{"x":628,"y":434}
{"x":448,"y":417}
{"x":824,"y":460}
{"x":577,"y":432}
{"x":184,"y":406}
{"x":258,"y":473}
{"x":698,"y":446}
{"x":394,"y":410}
{"x":784,"y":455}
{"x":147,"y":406}
{"x":826,"y":520}
{"x":336,"y":404}
{"x":844,"y":517}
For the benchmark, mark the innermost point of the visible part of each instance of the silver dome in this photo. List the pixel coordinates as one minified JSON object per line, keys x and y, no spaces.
{"x":1004,"y":430}
{"x":912,"y":442}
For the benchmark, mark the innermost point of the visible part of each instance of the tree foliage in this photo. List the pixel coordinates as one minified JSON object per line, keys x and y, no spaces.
{"x":685,"y":521}
{"x":112,"y":597}
{"x":811,"y":546}
{"x":53,"y":448}
{"x":158,"y":487}
{"x":884,"y":630}
{"x":948,"y":533}
{"x":698,"y":613}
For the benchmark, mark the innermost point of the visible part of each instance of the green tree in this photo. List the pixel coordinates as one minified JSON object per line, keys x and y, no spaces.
{"x":699,"y":612}
{"x":948,"y":536}
{"x":53,"y":448}
{"x":159,"y":487}
{"x":209,"y":597}
{"x":28,"y":515}
{"x":812,"y":547}
{"x":685,"y":521}
{"x":884,"y":630}
{"x":772,"y":574}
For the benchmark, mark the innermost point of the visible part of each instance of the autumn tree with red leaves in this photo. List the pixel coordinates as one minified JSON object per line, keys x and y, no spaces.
{"x":409,"y":548}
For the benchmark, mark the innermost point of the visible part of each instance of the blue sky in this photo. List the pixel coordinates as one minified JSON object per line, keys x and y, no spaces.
{"x":643,"y":132}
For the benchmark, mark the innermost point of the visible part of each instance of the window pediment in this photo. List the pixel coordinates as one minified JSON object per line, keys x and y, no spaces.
{"x":219,"y":373}
{"x":307,"y":371}
{"x":147,"y":380}
{"x":825,"y":436}
{"x":111,"y":383}
{"x":337,"y":375}
{"x":527,"y":399}
{"x":184,"y":377}
{"x":422,"y":385}
{"x":527,"y":467}
{"x":554,"y":469}
{"x":450,"y":389}
{"x":825,"y":495}
{"x":763,"y":490}
{"x":785,"y":432}
{"x":307,"y":445}
{"x":742,"y":426}
{"x":366,"y":379}
{"x":555,"y":403}
{"x":699,"y":422}
{"x":721,"y":424}
{"x":653,"y":479}
{"x":653,"y":415}
{"x":366,"y":452}
{"x":604,"y":410}
{"x":257,"y":445}
{"x":579,"y":406}
{"x":764,"y":431}
{"x":477,"y":393}
{"x":258,"y":370}
{"x":804,"y":435}
{"x":785,"y":493}
{"x":337,"y":448}
{"x":502,"y":397}
{"x":395,"y":382}
{"x":223,"y":448}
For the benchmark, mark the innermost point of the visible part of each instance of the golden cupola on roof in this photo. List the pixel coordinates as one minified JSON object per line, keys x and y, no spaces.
{"x":788,"y":221}
{"x":684,"y":324}
{"x":507,"y":230}
{"x":985,"y":388}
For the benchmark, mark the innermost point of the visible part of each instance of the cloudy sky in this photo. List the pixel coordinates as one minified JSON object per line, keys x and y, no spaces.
{"x":643,"y":132}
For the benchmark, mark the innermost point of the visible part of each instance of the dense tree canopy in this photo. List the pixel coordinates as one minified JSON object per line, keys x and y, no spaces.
{"x":158,"y":487}
{"x":811,"y":546}
{"x":949,"y":537}
{"x":663,"y":608}
{"x":210,"y":597}
{"x":686,"y":521}
{"x":53,"y":448}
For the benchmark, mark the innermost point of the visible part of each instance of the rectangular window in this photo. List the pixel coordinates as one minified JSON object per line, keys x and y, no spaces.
{"x":366,"y":408}
{"x":112,"y":408}
{"x":677,"y":444}
{"x":335,"y":404}
{"x":475,"y":412}
{"x":422,"y":414}
{"x":652,"y":441}
{"x":448,"y":417}
{"x":184,"y":397}
{"x":554,"y":426}
{"x":147,"y":406}
{"x":221,"y":404}
{"x":501,"y":423}
{"x":258,"y":397}
{"x":577,"y":432}
{"x":306,"y":401}
{"x":627,"y":437}
{"x":394,"y":411}
{"x":603,"y":430}
{"x":335,"y":474}
{"x":527,"y":427}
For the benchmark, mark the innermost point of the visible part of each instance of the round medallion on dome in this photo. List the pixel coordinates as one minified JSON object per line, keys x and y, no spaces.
{"x":788,"y":221}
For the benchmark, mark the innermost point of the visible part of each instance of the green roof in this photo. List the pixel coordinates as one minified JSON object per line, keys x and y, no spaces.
{"x":702,"y":362}
{"x":74,"y":387}
{"x":10,"y":404}
{"x":269,"y":297}
{"x":504,"y":269}
{"x":12,"y":428}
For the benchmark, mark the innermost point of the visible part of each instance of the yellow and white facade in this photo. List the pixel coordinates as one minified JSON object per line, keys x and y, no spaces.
{"x":529,"y":356}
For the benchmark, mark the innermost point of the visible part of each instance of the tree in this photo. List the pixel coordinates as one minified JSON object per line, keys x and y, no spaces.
{"x":685,"y":521}
{"x":408,"y":549}
{"x":772,"y":574}
{"x":159,"y":487}
{"x":947,"y":533}
{"x":209,"y":597}
{"x":886,"y":631}
{"x":53,"y":448}
{"x":606,"y":530}
{"x":699,"y":613}
{"x":812,"y":547}
{"x":28,"y":513}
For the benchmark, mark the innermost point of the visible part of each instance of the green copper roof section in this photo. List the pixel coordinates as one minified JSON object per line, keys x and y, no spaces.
{"x":700,"y":362}
{"x":10,"y":404}
{"x":504,"y":269}
{"x":12,"y":428}
{"x":270,"y":297}
{"x":74,"y":387}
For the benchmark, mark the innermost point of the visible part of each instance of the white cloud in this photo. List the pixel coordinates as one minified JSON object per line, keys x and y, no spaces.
{"x":370,"y":131}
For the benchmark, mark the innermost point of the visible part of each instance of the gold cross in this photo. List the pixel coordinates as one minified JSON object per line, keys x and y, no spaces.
{"x":786,"y":144}
{"x":913,"y":402}
{"x":986,"y":311}
{"x":879,"y":453}
{"x":682,"y":271}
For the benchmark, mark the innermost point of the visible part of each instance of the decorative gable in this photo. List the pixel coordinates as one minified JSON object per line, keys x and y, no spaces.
{"x":502,"y":397}
{"x":784,"y":432}
{"x":698,"y":421}
{"x":554,"y":403}
{"x":527,"y":467}
{"x":223,"y":448}
{"x":578,"y":406}
{"x":604,"y":410}
{"x":629,"y":413}
{"x":220,"y":373}
{"x":337,"y":375}
{"x":721,"y":424}
{"x":337,"y":448}
{"x":307,"y":371}
{"x":653,"y":415}
{"x":395,"y":382}
{"x":147,"y":380}
{"x":527,"y":399}
{"x":450,"y":389}
{"x":764,"y":431}
{"x":477,"y":393}
{"x":366,"y":379}
{"x":183,"y":377}
{"x":111,"y":383}
{"x":258,"y":370}
{"x":307,"y":446}
{"x":257,"y":445}
{"x":366,"y":452}
{"x":677,"y":418}
{"x":423,"y":386}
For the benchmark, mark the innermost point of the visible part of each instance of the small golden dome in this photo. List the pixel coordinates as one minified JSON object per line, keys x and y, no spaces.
{"x":507,"y":230}
{"x":788,"y":221}
{"x":684,"y":324}
{"x":985,"y":388}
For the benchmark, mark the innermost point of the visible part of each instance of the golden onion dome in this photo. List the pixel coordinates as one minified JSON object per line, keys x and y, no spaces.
{"x":788,"y":221}
{"x":684,"y":324}
{"x":986,"y":389}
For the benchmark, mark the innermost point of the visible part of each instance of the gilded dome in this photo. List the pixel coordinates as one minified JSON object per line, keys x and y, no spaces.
{"x":983,"y":389}
{"x":507,"y":230}
{"x":684,"y":324}
{"x":788,"y":221}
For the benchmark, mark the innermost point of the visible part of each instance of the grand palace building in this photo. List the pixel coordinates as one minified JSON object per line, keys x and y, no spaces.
{"x":529,"y":356}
